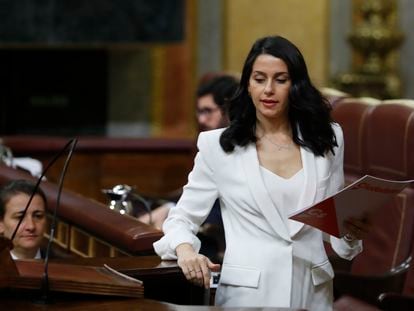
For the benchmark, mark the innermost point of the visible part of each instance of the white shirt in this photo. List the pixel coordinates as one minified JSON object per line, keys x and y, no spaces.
{"x":38,"y":255}
{"x":285,"y":192}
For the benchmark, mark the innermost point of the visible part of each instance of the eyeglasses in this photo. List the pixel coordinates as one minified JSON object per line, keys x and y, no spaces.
{"x":206,"y":111}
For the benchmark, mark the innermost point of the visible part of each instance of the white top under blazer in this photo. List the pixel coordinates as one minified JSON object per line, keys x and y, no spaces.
{"x":263,"y":249}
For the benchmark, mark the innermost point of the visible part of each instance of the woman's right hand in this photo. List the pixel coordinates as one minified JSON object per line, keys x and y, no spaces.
{"x":196,"y":267}
{"x":357,"y":228}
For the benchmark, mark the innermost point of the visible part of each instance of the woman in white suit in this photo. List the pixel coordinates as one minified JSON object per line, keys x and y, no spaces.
{"x":281,"y":152}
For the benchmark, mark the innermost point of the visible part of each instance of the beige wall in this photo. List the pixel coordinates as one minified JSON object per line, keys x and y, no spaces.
{"x":305,"y":23}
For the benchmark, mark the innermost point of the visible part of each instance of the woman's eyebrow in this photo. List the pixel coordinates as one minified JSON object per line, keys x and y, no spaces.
{"x":277,"y":74}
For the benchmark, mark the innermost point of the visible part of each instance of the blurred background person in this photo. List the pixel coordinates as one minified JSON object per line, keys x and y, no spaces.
{"x":14,"y":197}
{"x":212,"y":96}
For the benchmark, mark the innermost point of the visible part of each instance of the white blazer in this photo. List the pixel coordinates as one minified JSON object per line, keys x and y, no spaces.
{"x":262,"y":247}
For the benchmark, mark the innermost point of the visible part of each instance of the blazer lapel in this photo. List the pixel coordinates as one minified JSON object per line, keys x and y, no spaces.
{"x":259,"y":192}
{"x":309,"y":188}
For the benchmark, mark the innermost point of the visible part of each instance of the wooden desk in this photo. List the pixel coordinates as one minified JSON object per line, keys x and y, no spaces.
{"x":79,"y":304}
{"x":163,"y":280}
{"x":118,"y":305}
{"x":165,"y":288}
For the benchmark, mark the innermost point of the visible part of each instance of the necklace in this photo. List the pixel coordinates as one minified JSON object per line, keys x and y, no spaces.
{"x":279,"y":146}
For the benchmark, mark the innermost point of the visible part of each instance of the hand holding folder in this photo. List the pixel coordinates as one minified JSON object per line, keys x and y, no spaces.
{"x":356,"y":201}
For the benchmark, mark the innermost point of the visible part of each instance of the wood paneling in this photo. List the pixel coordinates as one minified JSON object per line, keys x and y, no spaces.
{"x":154,"y":166}
{"x":305,"y":23}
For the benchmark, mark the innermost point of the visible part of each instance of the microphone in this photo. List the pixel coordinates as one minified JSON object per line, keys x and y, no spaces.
{"x":45,"y":278}
{"x":123,"y":199}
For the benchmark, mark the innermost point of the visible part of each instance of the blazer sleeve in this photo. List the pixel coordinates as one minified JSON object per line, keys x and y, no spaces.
{"x":346,"y":250}
{"x":193,"y":207}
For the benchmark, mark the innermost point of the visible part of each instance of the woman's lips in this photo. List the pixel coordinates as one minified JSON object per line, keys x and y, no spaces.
{"x":269,"y":102}
{"x":29,"y":237}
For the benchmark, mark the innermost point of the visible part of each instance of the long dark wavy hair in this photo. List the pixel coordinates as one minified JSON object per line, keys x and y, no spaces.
{"x":308,"y":110}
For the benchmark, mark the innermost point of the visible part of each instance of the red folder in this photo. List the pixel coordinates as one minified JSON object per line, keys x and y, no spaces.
{"x":357,"y":200}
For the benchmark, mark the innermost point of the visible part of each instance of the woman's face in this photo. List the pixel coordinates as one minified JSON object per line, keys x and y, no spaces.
{"x":33,"y":226}
{"x":269,"y":86}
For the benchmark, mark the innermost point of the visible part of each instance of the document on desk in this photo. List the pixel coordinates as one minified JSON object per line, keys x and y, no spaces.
{"x":359,"y":199}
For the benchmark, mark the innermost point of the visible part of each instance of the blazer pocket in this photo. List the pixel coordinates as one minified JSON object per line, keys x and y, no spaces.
{"x":322,"y":273}
{"x":240,"y":276}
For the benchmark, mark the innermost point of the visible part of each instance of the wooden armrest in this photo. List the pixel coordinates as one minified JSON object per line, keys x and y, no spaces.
{"x":97,"y":219}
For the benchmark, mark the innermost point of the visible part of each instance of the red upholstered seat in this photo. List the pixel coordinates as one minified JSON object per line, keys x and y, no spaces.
{"x":390,"y":132}
{"x":388,"y":140}
{"x":352,"y":114}
{"x":379,"y":141}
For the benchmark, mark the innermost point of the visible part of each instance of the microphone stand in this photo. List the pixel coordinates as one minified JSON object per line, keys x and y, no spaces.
{"x":44,"y":299}
{"x":45,"y":280}
{"x":136,"y":197}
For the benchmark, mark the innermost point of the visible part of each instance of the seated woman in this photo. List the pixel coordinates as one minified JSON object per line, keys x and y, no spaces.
{"x":13,"y":199}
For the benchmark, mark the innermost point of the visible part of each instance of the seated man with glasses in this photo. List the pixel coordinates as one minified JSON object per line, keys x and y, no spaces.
{"x":212,"y":97}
